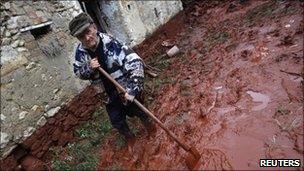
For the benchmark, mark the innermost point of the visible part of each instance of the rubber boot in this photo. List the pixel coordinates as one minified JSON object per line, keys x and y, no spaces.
{"x":128,"y":135}
{"x":149,"y":125}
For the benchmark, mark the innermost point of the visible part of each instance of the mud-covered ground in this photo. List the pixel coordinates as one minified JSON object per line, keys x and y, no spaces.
{"x":235,"y":93}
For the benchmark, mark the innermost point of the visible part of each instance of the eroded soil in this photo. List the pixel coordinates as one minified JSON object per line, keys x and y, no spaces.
{"x":235,"y":92}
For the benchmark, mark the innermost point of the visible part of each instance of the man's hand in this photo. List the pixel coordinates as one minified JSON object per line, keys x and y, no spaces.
{"x":94,"y":63}
{"x":129,"y":97}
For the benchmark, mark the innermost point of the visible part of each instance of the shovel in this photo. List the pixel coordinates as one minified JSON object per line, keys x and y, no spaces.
{"x":193,"y":158}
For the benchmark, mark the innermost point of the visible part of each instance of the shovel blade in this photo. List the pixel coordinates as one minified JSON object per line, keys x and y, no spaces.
{"x":192,"y":158}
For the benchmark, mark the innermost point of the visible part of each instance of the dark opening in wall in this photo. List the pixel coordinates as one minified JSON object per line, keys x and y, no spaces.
{"x":41,"y":31}
{"x":186,"y":3}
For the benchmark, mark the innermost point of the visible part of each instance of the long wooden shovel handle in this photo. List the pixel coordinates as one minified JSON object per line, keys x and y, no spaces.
{"x":183,"y":145}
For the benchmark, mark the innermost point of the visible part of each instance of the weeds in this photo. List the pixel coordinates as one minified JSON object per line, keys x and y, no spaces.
{"x":259,"y":13}
{"x":95,"y":130}
{"x":59,"y":165}
{"x":80,"y":155}
{"x":268,"y":10}
{"x":120,"y":142}
{"x":159,"y":61}
{"x":282,"y":111}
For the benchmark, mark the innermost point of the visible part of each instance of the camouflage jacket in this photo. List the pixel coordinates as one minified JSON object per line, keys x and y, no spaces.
{"x":122,"y":63}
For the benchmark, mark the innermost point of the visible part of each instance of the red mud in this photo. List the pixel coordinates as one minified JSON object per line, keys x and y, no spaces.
{"x":240,"y":104}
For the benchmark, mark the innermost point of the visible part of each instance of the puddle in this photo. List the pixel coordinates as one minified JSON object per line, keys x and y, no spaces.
{"x":259,"y":97}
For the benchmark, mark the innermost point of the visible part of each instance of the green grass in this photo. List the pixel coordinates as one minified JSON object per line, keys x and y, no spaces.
{"x":268,"y":10}
{"x":120,"y":143}
{"x":59,"y":165}
{"x":81,"y":155}
{"x":281,"y":110}
{"x":97,"y":129}
{"x":259,"y":13}
{"x":159,"y":61}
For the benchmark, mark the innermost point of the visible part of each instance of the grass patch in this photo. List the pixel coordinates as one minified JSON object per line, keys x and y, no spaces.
{"x":214,"y":38}
{"x":268,"y":10}
{"x":77,"y":156}
{"x":59,"y":165}
{"x":281,"y":110}
{"x":259,"y":13}
{"x":159,"y":61}
{"x":81,"y":155}
{"x":97,"y":129}
{"x":120,"y":143}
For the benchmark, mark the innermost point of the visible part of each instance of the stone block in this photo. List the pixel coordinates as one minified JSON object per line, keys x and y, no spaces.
{"x":52,"y":112}
{"x":6,"y":41}
{"x":31,"y":45}
{"x":5,"y":138}
{"x":28,"y":132}
{"x":22,"y":115}
{"x":12,"y":23}
{"x":7,"y":5}
{"x":3,"y":117}
{"x":32,"y":15}
{"x":41,"y":121}
{"x":28,"y":9}
{"x":23,"y":21}
{"x":30,"y":66}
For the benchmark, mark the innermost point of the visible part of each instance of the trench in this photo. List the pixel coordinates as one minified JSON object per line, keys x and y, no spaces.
{"x":230,"y":93}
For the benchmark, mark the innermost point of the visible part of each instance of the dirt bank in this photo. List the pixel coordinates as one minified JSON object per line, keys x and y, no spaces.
{"x":235,"y":93}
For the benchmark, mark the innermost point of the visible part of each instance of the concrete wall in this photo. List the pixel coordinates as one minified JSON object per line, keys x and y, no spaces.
{"x":133,"y":21}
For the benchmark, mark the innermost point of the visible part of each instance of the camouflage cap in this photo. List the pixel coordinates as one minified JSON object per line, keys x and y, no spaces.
{"x":79,"y":24}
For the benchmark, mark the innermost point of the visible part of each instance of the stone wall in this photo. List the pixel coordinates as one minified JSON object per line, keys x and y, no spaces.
{"x":57,"y":131}
{"x":36,"y":69}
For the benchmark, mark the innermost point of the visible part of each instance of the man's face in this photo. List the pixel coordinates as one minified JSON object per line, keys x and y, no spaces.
{"x":89,"y":37}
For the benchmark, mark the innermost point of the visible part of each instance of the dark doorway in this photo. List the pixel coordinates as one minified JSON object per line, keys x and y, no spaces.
{"x":93,"y":8}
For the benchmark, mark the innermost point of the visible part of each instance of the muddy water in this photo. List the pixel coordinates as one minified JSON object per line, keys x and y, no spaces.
{"x":232,"y":98}
{"x":258,"y":97}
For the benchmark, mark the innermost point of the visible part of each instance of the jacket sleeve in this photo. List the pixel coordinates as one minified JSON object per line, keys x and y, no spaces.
{"x":82,"y":68}
{"x":133,"y":64}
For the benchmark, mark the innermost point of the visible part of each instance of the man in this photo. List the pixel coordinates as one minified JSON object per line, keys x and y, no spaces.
{"x":122,"y":63}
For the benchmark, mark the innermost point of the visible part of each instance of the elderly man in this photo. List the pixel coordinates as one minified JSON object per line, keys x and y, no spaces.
{"x":122,"y":63}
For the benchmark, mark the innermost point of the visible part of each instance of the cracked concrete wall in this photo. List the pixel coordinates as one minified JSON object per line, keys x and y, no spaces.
{"x":132,"y":21}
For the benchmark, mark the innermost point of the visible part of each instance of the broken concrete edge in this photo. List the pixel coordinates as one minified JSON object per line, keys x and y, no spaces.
{"x":58,"y":126}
